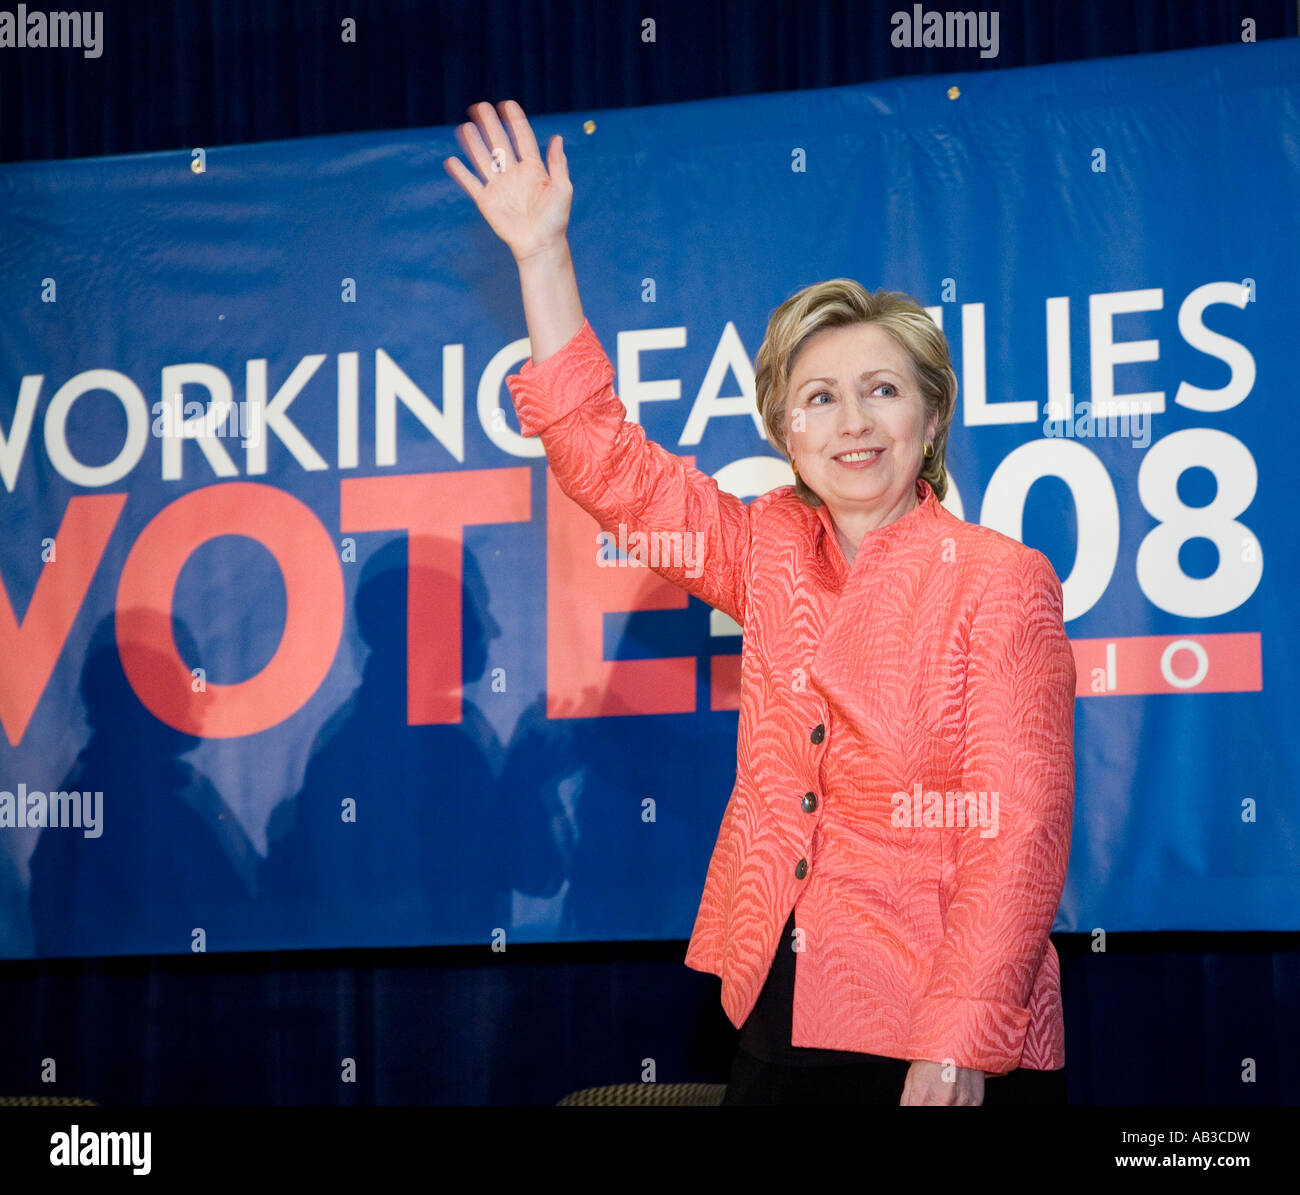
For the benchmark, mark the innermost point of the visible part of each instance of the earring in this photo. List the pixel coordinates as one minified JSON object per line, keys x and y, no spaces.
{"x":795,"y":468}
{"x":928,"y":451}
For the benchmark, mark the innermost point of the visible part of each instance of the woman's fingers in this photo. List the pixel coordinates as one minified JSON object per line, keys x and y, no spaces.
{"x":471,"y":141}
{"x":495,"y":134}
{"x":557,"y":164}
{"x":521,"y":130}
{"x":467,"y":179}
{"x":485,"y":141}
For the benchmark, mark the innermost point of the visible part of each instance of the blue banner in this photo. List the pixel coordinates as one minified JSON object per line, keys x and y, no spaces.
{"x":301,"y":646}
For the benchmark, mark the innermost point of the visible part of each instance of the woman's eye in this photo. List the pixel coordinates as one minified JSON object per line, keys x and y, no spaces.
{"x":826,"y":394}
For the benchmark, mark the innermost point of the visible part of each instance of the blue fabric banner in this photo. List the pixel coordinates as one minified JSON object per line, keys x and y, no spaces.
{"x":301,"y":646}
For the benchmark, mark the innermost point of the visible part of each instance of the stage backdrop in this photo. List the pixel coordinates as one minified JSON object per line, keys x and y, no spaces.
{"x":300,"y":645}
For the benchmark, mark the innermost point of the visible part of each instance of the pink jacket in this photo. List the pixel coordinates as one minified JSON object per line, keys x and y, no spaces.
{"x":905,"y":763}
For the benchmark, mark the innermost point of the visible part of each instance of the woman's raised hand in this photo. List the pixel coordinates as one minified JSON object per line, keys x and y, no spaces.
{"x":525,"y":202}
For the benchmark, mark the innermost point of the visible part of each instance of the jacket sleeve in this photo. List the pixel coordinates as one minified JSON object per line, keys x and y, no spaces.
{"x":610,"y":469}
{"x":1019,"y":743}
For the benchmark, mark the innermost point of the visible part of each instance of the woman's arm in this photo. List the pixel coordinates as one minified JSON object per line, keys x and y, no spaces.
{"x":552,"y":309}
{"x":694,"y":533}
{"x":527,"y":205}
{"x":630,"y":485}
{"x":1020,"y":744}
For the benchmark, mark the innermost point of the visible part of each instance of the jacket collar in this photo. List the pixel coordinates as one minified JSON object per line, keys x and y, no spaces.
{"x":917,"y":523}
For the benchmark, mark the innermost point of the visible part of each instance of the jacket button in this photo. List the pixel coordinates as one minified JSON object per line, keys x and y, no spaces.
{"x":801,"y":869}
{"x":809,"y":802}
{"x":818,"y":732}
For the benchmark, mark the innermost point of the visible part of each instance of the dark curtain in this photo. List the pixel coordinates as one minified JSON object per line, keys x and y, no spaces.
{"x":1158,"y":1019}
{"x":175,"y":74}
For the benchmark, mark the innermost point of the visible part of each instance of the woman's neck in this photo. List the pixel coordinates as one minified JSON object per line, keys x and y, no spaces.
{"x":853,"y":528}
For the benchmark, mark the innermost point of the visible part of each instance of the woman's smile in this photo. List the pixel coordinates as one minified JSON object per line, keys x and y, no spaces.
{"x":859,"y":458}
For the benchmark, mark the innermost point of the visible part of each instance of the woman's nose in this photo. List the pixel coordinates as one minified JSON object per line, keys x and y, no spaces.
{"x":854,"y":417}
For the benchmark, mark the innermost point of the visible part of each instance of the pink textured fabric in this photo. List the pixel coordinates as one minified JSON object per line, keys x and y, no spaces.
{"x":938,"y":660}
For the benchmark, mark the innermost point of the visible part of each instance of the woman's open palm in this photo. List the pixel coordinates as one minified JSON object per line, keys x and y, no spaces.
{"x":525,"y":202}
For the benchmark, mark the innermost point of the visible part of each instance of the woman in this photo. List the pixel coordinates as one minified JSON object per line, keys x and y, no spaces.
{"x":889,"y":865}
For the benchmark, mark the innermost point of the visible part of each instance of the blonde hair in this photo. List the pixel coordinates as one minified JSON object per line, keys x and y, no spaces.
{"x":839,"y":303}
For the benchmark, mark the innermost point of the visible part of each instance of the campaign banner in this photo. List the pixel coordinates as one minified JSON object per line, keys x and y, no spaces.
{"x":301,"y":645}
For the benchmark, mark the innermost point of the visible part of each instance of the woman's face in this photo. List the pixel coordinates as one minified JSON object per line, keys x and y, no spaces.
{"x":856,"y":424}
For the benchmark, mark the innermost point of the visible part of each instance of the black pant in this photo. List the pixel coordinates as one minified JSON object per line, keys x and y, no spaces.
{"x":875,"y":1082}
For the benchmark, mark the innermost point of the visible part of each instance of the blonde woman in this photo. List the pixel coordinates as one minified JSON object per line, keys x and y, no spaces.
{"x":890,"y":862}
